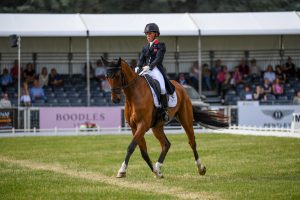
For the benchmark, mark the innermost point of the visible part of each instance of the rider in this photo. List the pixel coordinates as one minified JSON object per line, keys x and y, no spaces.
{"x":150,"y":61}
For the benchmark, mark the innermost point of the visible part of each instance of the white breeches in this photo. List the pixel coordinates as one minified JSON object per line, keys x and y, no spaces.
{"x":155,"y":74}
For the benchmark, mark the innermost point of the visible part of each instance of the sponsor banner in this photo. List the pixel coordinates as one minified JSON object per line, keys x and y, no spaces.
{"x":8,"y":118}
{"x":266,"y":116}
{"x":71,"y":117}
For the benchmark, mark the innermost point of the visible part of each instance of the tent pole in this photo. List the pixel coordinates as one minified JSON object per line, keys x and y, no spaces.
{"x":19,"y":79}
{"x":88,"y":68}
{"x":199,"y":64}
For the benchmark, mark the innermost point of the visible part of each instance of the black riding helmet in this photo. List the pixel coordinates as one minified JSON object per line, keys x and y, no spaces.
{"x":152,"y":27}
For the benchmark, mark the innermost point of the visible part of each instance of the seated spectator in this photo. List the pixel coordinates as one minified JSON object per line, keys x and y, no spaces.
{"x":194,"y":76}
{"x":6,"y":80}
{"x":55,"y":79}
{"x":133,"y":63}
{"x":44,"y":77}
{"x":29,"y":73}
{"x":289,"y":68}
{"x":259,"y":94}
{"x":5,"y":102}
{"x":243,"y":68}
{"x":220,"y":79}
{"x":100,"y":73}
{"x":14,"y":71}
{"x":92,"y":71}
{"x":254,"y":69}
{"x":226,"y":84}
{"x":267,"y":88}
{"x":270,"y":74}
{"x":277,"y":88}
{"x":247,"y":94}
{"x":37,"y":92}
{"x":279,"y":74}
{"x":181,"y":79}
{"x":25,"y":96}
{"x":206,"y":77}
{"x":236,"y":77}
{"x":296,"y":99}
{"x":214,"y":71}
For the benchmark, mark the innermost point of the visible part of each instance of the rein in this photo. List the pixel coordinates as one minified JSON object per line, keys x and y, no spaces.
{"x":118,"y":89}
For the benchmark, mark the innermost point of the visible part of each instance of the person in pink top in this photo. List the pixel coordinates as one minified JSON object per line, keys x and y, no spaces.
{"x":277,"y":87}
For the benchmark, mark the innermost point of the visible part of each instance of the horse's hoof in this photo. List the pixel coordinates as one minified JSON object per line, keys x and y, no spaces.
{"x":121,"y":175}
{"x":158,"y":174}
{"x":202,"y":170}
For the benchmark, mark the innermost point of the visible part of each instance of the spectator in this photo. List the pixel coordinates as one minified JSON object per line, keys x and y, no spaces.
{"x":92,"y":71}
{"x":25,"y":97}
{"x":29,"y":73}
{"x":243,"y":68}
{"x":220,"y":79}
{"x":289,"y":68}
{"x":247,"y":94}
{"x":270,"y":74}
{"x":133,"y":64}
{"x":37,"y":92}
{"x":296,"y":99}
{"x":206,"y":77}
{"x":55,"y":79}
{"x":218,"y":66}
{"x":100,"y":73}
{"x":236,"y":77}
{"x":14,"y":71}
{"x":279,"y":74}
{"x":267,"y":86}
{"x":254,"y":69}
{"x":277,"y":88}
{"x":5,"y":102}
{"x":194,"y":76}
{"x":181,"y":79}
{"x":44,"y":77}
{"x":259,"y":94}
{"x":6,"y":80}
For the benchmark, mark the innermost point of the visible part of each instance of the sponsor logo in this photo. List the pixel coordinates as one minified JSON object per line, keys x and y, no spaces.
{"x":277,"y":114}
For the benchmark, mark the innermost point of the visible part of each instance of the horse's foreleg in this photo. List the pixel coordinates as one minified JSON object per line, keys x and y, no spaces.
{"x":165,"y":146}
{"x":143,"y":148}
{"x":130,"y":150}
{"x":137,"y":138}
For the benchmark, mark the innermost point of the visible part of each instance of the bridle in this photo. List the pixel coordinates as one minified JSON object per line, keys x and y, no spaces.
{"x":112,"y":74}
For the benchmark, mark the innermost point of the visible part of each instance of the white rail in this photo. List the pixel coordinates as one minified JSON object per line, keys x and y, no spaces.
{"x":237,"y":130}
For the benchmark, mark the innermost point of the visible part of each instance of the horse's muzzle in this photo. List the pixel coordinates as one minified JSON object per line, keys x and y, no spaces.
{"x":116,"y":100}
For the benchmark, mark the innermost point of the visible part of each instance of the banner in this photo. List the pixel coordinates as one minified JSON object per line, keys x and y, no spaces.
{"x":8,"y":118}
{"x":71,"y":117}
{"x":266,"y":115}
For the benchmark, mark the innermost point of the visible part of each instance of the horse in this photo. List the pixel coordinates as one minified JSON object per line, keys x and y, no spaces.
{"x":140,"y":114}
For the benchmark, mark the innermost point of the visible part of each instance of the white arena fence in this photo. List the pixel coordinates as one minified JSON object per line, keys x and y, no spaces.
{"x":236,"y":130}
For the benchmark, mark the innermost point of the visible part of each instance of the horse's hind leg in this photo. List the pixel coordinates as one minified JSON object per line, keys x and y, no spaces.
{"x":165,"y":146}
{"x":185,"y":116}
{"x":143,"y":148}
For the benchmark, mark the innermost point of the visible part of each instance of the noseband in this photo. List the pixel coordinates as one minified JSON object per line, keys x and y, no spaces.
{"x":112,"y":74}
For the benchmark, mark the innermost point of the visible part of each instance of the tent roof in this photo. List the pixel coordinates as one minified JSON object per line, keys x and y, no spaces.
{"x":183,"y":24}
{"x":259,"y":23}
{"x":134,"y":24}
{"x":41,"y":25}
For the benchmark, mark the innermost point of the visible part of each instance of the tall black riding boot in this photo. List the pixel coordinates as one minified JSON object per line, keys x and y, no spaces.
{"x":164,"y":104}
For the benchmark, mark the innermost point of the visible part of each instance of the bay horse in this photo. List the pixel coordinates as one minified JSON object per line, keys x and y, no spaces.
{"x":140,"y":114}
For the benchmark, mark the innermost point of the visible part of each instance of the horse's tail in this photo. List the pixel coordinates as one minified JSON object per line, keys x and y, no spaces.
{"x":210,"y":118}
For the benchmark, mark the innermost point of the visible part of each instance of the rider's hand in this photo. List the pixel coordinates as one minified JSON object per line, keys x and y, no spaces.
{"x":146,"y":68}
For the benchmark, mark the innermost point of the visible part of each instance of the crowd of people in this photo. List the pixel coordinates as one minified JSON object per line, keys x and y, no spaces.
{"x":249,"y":82}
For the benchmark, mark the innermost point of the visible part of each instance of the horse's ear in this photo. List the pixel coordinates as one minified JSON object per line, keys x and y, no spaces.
{"x":104,"y":61}
{"x":119,"y":62}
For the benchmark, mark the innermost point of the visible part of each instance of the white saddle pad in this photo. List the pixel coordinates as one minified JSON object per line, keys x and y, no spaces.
{"x":171,"y":102}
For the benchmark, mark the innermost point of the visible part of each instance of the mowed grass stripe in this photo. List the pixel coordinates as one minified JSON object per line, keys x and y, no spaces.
{"x":157,"y":188}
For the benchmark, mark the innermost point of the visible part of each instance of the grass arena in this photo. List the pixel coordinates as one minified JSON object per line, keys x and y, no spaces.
{"x":84,"y":167}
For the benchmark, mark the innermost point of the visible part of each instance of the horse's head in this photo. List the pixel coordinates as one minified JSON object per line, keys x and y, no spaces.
{"x":114,"y":78}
